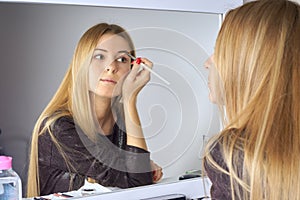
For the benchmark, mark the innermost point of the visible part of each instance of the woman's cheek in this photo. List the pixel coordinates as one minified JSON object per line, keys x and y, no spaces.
{"x":94,"y":75}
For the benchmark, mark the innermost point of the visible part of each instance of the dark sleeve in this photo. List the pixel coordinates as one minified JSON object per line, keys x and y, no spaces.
{"x":220,"y":189}
{"x":101,"y":160}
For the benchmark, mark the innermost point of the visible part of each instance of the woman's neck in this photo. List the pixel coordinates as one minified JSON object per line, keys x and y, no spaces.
{"x":104,"y":114}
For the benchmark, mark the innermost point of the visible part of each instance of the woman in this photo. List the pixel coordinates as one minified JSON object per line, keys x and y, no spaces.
{"x":91,"y":128}
{"x":255,"y":77}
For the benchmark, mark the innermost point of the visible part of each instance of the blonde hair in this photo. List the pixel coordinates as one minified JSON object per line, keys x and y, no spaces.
{"x":257,"y":56}
{"x":71,"y":99}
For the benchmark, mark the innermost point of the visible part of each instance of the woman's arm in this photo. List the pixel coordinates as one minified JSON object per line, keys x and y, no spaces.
{"x":133,"y":83}
{"x":134,"y":131}
{"x":109,"y":167}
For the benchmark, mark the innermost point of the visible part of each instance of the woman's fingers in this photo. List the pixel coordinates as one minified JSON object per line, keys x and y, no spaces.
{"x":140,"y":64}
{"x":137,"y":78}
{"x":157,"y":172}
{"x":147,"y":62}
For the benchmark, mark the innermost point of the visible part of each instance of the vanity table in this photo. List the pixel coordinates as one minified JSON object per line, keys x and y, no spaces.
{"x":193,"y":188}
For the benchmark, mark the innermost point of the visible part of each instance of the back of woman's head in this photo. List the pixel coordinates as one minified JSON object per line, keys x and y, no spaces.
{"x":257,"y":50}
{"x":257,"y":55}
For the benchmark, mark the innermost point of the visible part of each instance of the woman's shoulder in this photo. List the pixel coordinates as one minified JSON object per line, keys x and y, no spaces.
{"x":60,"y":126}
{"x":64,"y":130}
{"x":216,"y":153}
{"x":64,"y":122}
{"x":221,"y":144}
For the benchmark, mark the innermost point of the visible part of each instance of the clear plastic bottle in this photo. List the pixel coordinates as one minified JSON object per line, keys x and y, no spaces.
{"x":10,"y":182}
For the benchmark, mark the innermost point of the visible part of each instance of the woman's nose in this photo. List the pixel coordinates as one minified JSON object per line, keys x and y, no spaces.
{"x":206,"y":64}
{"x":209,"y":62}
{"x":112,"y":68}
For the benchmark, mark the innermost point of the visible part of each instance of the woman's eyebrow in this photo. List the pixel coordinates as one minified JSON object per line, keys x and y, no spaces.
{"x":97,"y":49}
{"x":121,"y":51}
{"x":124,"y":51}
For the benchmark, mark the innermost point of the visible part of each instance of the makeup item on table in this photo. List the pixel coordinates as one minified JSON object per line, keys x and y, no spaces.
{"x":168,"y":197}
{"x":92,"y":187}
{"x":194,"y":173}
{"x":62,"y":195}
{"x":41,"y":198}
{"x":188,"y":176}
{"x":88,"y":191}
{"x":139,"y":61}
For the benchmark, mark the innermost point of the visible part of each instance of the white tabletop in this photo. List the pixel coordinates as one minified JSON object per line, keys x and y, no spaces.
{"x":191,"y":188}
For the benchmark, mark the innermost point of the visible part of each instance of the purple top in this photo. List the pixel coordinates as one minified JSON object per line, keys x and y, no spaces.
{"x":221,"y":189}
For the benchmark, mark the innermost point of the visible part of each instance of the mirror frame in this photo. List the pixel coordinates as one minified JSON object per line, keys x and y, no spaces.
{"x":207,"y":6}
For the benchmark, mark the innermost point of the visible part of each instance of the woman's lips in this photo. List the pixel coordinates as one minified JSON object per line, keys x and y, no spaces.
{"x":105,"y":80}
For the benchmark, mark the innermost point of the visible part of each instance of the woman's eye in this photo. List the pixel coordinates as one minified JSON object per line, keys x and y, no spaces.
{"x":121,"y":59}
{"x":99,"y":56}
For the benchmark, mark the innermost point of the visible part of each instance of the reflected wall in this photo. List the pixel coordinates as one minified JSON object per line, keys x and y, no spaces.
{"x":37,"y":43}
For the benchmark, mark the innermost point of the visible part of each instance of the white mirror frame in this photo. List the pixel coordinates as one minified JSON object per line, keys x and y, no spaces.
{"x":208,"y":6}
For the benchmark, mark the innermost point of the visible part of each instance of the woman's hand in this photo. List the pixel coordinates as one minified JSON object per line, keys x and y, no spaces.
{"x":157,"y":172}
{"x":133,"y":83}
{"x":136,"y":79}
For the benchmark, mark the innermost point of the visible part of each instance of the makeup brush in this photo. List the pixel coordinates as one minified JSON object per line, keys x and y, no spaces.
{"x":148,"y":68}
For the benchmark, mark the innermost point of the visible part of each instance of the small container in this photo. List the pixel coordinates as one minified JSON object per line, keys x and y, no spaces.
{"x":10,"y":182}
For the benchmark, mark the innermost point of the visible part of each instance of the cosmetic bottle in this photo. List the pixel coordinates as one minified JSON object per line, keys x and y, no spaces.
{"x":10,"y":182}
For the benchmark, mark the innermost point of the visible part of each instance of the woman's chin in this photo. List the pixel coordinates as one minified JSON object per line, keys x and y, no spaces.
{"x":212,"y":98}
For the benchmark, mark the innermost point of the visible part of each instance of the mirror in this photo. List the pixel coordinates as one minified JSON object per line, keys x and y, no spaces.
{"x":38,"y":41}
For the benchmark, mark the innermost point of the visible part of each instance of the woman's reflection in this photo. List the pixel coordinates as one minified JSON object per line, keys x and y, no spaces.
{"x":92,"y":114}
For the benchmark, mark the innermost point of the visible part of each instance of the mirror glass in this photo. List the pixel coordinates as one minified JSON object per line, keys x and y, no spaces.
{"x":37,"y":44}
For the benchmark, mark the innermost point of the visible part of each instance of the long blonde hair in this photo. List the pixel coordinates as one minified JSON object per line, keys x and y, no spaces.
{"x":257,"y":55}
{"x":71,"y":99}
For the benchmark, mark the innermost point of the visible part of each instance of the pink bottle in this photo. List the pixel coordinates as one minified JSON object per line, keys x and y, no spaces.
{"x":10,"y":182}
